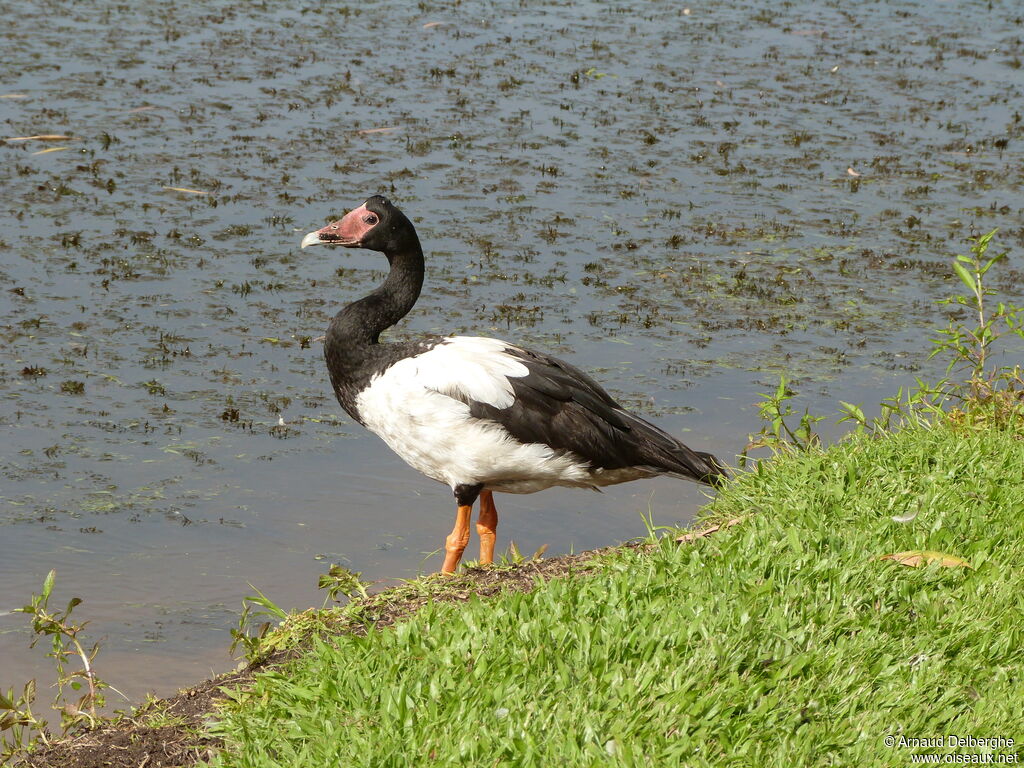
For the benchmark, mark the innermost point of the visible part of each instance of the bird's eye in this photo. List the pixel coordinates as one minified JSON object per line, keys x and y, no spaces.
{"x":370,"y":218}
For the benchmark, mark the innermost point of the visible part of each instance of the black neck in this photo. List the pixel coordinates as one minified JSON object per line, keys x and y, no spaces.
{"x":353,"y":335}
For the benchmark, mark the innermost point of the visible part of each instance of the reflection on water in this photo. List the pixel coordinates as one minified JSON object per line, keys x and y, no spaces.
{"x":687,"y":205}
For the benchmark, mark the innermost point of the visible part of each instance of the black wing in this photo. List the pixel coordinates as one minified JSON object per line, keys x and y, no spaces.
{"x":559,"y":405}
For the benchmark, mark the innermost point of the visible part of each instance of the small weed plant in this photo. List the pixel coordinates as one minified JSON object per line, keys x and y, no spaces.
{"x":778,"y":432}
{"x":339,"y":580}
{"x":20,"y":727}
{"x":251,"y":632}
{"x":997,"y":388}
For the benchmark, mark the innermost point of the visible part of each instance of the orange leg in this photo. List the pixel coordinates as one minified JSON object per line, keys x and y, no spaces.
{"x":456,"y":543}
{"x":487,"y":526}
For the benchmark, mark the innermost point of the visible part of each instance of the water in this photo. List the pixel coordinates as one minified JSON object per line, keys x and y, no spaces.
{"x":663,"y":197}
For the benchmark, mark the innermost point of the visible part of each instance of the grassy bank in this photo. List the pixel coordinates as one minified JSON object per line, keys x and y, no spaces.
{"x":782,"y":640}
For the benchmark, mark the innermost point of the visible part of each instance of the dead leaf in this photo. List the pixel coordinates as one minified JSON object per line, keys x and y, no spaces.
{"x":688,"y":537}
{"x":851,"y":171}
{"x":51,"y":149}
{"x":432,"y":24}
{"x":13,"y":95}
{"x":186,"y":190}
{"x":367,"y":131}
{"x":918,"y":557}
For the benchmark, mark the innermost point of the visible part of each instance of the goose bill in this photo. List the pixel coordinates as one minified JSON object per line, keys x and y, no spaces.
{"x":313,"y":238}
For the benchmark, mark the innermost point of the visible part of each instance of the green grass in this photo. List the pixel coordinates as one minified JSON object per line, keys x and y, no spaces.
{"x":781,"y":641}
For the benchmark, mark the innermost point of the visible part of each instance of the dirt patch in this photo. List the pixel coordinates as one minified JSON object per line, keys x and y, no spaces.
{"x":170,"y":732}
{"x":134,"y":741}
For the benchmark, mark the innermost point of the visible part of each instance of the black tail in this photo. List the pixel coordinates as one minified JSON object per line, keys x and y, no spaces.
{"x":693,"y":465}
{"x":719,"y":473}
{"x":662,"y":451}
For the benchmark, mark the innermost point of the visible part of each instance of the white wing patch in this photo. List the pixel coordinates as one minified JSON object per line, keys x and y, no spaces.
{"x":475,"y":367}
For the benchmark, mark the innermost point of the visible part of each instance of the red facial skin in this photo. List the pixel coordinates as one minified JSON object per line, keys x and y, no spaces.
{"x":351,"y":228}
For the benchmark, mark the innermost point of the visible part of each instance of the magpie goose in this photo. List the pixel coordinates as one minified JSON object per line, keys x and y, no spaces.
{"x":476,"y":413}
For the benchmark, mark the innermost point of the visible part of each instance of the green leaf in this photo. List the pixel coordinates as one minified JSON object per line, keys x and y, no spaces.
{"x":852,"y":412}
{"x":48,"y":584}
{"x":990,"y":262}
{"x":965,"y":277}
{"x":268,"y":604}
{"x":982,"y":243}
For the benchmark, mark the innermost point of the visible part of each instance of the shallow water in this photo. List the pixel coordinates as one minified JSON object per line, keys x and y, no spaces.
{"x":661,"y":196}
